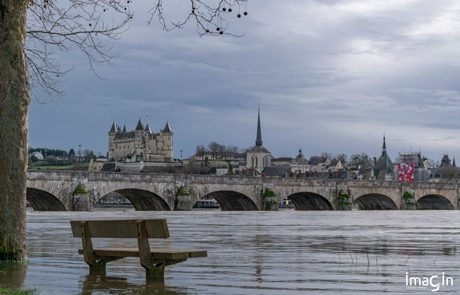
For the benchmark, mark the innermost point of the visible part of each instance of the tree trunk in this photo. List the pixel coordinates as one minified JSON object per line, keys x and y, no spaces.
{"x":14,"y":102}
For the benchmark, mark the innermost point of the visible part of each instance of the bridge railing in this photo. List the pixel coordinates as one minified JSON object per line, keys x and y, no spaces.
{"x":42,"y":175}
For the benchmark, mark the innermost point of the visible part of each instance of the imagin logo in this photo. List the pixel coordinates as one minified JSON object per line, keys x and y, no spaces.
{"x":434,"y":281}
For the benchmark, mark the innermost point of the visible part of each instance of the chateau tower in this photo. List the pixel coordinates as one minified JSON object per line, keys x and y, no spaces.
{"x":112,"y":134}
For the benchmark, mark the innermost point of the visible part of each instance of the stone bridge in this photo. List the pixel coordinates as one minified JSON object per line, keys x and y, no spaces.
{"x":82,"y":190}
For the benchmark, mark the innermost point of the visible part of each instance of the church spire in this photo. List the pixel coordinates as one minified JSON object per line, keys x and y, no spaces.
{"x":384,"y":147}
{"x":259,"y":131}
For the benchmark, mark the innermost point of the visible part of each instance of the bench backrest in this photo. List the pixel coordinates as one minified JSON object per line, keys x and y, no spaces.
{"x":156,"y":228}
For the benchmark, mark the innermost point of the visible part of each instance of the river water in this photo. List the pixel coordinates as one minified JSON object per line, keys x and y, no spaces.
{"x":284,"y":252}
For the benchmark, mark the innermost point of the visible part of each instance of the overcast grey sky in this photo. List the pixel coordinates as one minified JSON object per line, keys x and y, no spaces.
{"x":330,"y":76}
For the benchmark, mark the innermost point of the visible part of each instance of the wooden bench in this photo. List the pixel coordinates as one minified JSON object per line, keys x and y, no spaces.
{"x":153,"y":260}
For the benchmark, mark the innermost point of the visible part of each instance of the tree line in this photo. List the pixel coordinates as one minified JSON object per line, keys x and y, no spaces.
{"x":51,"y":155}
{"x":217,"y":151}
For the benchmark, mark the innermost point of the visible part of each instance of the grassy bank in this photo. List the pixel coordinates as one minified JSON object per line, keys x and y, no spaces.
{"x":10,"y":291}
{"x":69,"y":167}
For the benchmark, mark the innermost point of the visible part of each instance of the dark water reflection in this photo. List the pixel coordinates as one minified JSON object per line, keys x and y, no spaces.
{"x":286,"y":252}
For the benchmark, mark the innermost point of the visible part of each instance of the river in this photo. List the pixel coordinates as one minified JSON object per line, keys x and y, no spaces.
{"x":283,"y":252}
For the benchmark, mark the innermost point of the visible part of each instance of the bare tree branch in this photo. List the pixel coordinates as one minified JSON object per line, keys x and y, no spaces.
{"x":61,"y":25}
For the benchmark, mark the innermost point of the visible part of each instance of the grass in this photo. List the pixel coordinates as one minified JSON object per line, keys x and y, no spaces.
{"x":83,"y":166}
{"x":66,"y":167}
{"x":12,"y":291}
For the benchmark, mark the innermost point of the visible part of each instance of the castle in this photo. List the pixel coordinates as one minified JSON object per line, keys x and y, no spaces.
{"x":141,"y":144}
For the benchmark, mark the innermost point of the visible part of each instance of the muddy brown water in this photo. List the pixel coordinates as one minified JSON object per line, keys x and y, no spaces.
{"x":284,"y":252}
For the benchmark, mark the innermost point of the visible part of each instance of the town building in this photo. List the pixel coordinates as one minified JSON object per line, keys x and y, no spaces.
{"x":421,"y":165}
{"x":140,"y":144}
{"x":258,"y":157}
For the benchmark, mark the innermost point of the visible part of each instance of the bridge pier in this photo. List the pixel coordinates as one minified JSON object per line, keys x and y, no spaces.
{"x":82,"y":202}
{"x":183,"y":200}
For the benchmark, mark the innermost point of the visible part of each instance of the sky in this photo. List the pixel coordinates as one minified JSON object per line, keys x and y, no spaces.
{"x":329,"y":75}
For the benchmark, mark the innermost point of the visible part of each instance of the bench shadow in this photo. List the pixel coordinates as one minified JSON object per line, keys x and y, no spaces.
{"x":96,"y":282}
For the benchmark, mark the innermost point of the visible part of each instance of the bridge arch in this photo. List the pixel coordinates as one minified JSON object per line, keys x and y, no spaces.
{"x":310,"y":201}
{"x":41,"y":200}
{"x":113,"y":199}
{"x":373,"y":201}
{"x":142,"y":200}
{"x":232,"y":201}
{"x":434,"y":202}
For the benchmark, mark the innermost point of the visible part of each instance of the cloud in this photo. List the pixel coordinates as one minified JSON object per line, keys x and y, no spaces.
{"x":330,"y":76}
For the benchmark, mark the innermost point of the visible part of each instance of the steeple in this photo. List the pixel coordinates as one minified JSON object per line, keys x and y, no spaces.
{"x":124,"y":128}
{"x":259,"y":131}
{"x":139,"y":126}
{"x":384,"y":167}
{"x":384,"y":147}
{"x":147,"y":128}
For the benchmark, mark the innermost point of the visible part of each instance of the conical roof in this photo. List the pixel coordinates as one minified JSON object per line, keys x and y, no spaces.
{"x":124,"y":128}
{"x":147,"y":128}
{"x":167,"y":128}
{"x":139,"y":125}
{"x":113,"y":128}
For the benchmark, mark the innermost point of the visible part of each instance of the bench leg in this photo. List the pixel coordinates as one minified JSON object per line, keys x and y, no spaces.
{"x":97,"y":269}
{"x":155,"y":274}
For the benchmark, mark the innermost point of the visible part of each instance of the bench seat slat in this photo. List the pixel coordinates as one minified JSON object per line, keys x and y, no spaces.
{"x":157,"y":253}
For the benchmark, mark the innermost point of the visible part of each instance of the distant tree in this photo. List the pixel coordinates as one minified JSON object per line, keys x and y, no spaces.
{"x":342,"y":158}
{"x":214,"y":149}
{"x":326,"y":155}
{"x":232,"y":151}
{"x":361,"y":161}
{"x":450,"y":174}
{"x":222,"y":151}
{"x":188,"y":168}
{"x":49,"y":152}
{"x":89,"y":155}
{"x":230,"y":168}
{"x":72,"y":155}
{"x":200,"y":151}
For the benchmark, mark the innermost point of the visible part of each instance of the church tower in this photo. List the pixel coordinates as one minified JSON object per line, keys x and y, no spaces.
{"x":383,"y":169}
{"x":258,"y":157}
